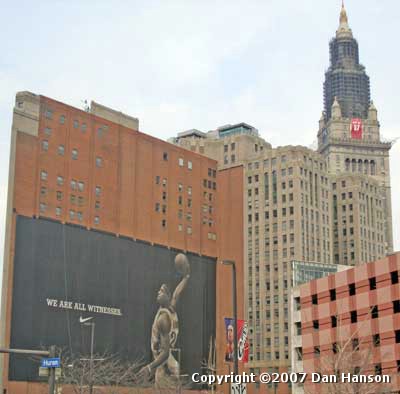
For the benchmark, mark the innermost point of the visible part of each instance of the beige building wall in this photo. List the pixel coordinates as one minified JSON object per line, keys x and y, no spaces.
{"x":289,"y":194}
{"x":367,"y":156}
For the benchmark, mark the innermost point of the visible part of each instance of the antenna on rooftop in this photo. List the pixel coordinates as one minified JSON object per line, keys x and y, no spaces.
{"x":85,"y":105}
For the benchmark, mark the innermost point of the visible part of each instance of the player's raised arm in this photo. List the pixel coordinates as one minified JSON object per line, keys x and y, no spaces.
{"x":183,"y":267}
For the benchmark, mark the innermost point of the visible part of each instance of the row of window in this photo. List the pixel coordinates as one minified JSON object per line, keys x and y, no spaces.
{"x":394,"y":278}
{"x":78,"y":215}
{"x":74,"y":153}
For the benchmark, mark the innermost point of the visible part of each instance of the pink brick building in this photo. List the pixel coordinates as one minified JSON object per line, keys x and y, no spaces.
{"x":358,"y":309}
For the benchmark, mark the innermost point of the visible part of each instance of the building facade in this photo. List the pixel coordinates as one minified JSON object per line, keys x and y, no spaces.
{"x":91,"y":175}
{"x":352,"y":316}
{"x":349,"y":131}
{"x":329,"y":206}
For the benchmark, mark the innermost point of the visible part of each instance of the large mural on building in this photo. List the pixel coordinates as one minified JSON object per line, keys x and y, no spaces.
{"x":148,"y":302}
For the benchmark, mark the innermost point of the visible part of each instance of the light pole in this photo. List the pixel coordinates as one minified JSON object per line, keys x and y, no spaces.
{"x":86,"y":322}
{"x":234,"y":300}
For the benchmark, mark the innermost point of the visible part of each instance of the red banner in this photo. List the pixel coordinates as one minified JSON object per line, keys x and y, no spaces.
{"x":243,"y":346}
{"x":356,"y":129}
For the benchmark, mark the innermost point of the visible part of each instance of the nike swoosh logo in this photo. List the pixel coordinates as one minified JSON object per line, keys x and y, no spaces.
{"x":82,"y":320}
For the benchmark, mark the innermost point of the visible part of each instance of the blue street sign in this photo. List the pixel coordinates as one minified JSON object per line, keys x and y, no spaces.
{"x":54,"y":362}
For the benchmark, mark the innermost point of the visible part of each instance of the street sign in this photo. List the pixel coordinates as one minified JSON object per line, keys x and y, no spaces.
{"x":54,"y":362}
{"x":44,"y":372}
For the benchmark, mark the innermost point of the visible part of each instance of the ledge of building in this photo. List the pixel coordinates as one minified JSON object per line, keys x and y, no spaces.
{"x":114,"y":116}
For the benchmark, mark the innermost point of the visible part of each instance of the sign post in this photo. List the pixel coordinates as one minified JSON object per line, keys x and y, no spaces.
{"x":52,"y":360}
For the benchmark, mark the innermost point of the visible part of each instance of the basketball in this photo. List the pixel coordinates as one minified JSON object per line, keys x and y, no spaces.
{"x":182,"y":264}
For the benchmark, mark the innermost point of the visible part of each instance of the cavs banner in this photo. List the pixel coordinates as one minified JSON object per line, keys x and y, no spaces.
{"x":242,"y":328}
{"x":356,"y":129}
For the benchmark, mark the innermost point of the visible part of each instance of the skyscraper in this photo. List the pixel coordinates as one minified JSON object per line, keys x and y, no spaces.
{"x":350,"y":140}
{"x":330,"y":206}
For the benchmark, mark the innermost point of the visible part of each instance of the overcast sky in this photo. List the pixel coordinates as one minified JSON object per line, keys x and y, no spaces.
{"x":187,"y":64}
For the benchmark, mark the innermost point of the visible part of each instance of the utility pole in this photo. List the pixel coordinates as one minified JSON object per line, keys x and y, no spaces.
{"x":52,"y":371}
{"x":91,"y":358}
{"x":234,"y":301}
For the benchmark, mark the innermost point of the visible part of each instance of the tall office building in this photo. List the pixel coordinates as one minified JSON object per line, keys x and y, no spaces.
{"x":350,"y":140}
{"x":330,"y":206}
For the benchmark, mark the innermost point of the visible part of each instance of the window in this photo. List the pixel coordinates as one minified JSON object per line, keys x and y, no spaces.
{"x":317,"y":351}
{"x":58,"y":211}
{"x":394,"y":277}
{"x":81,"y":186}
{"x":397,"y":336}
{"x":83,"y":127}
{"x":353,"y":316}
{"x":190,"y":165}
{"x":378,"y":369}
{"x":61,"y":150}
{"x":74,"y":154}
{"x":372,"y":283}
{"x":314,"y":299}
{"x":59,"y":195}
{"x":332,"y":294}
{"x":45,"y":145}
{"x":189,"y":230}
{"x":232,"y":146}
{"x":355,"y":343}
{"x":376,"y":340}
{"x":62,"y":119}
{"x":42,"y":207}
{"x":181,"y":162}
{"x":334,"y":321}
{"x":189,"y":190}
{"x":76,"y":124}
{"x":73,"y":184}
{"x":97,"y":204}
{"x":374,"y":312}
{"x":316,"y":324}
{"x":180,"y":187}
{"x":180,"y":227}
{"x":157,"y":180}
{"x":48,"y":113}
{"x":80,"y":200}
{"x":165,"y":156}
{"x":98,"y":191}
{"x":352,"y":289}
{"x":396,"y":306}
{"x":71,"y":214}
{"x":47,"y":131}
{"x":80,"y":216}
{"x":96,"y":220}
{"x":60,"y":180}
{"x":99,"y":162}
{"x":43,"y":175}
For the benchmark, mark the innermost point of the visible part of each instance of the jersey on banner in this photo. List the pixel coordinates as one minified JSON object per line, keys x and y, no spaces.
{"x":356,"y":129}
{"x":243,"y":353}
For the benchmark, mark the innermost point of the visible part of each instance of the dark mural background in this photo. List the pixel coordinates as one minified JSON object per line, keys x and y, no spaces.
{"x":66,"y":262}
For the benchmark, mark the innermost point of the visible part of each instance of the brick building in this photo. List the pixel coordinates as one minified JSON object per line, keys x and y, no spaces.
{"x":94,"y":170}
{"x":355,"y":312}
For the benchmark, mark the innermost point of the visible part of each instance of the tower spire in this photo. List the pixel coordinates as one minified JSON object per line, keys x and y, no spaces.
{"x":344,"y":28}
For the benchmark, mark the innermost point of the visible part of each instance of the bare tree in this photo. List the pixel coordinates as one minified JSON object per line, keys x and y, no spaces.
{"x":110,"y":375}
{"x":352,"y":355}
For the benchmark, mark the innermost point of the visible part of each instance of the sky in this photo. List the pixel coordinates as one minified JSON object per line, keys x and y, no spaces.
{"x":185,"y":64}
